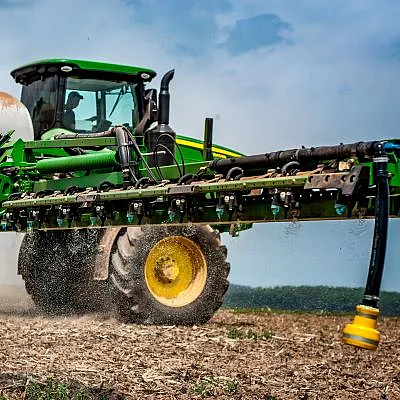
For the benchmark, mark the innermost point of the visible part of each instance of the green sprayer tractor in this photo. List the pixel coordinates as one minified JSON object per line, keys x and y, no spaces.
{"x":120,"y":210}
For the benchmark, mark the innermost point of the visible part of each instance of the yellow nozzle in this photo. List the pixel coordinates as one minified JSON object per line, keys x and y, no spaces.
{"x":362,"y":331}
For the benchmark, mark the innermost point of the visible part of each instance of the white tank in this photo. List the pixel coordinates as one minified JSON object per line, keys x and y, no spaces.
{"x":15,"y":116}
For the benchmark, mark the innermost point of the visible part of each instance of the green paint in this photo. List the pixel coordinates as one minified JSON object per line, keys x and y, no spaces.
{"x":89,"y":66}
{"x":91,"y":161}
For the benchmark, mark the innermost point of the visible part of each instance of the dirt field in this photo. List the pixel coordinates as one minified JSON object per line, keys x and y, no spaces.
{"x":243,"y":356}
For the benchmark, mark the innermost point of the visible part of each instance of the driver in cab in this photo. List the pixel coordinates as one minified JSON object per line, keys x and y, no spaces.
{"x":69,"y":115}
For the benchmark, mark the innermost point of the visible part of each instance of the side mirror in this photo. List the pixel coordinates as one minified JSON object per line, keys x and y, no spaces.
{"x":150,"y":98}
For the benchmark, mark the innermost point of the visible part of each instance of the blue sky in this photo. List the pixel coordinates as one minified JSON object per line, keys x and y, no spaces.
{"x":274,"y":74}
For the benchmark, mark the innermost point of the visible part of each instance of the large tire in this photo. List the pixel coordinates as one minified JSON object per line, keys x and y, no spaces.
{"x":168,"y":275}
{"x":57,"y":267}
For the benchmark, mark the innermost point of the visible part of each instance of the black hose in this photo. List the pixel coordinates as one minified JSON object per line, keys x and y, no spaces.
{"x":143,"y":181}
{"x":234,"y":174}
{"x":280,"y":158}
{"x":176,"y":145}
{"x":71,"y":190}
{"x":124,"y":152}
{"x":15,"y":196}
{"x":376,"y":265}
{"x":41,"y":193}
{"x":138,"y":152}
{"x":156,"y":161}
{"x":289,"y":165}
{"x":186,"y":179}
{"x":171,"y":154}
{"x":105,"y":186}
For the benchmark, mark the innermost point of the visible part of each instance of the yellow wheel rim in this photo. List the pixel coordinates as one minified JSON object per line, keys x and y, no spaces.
{"x":175,"y":271}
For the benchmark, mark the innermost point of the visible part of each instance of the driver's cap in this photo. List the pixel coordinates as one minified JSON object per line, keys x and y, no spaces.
{"x":75,"y":94}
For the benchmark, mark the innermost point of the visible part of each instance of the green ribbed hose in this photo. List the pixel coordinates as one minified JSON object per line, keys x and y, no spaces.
{"x":77,"y":163}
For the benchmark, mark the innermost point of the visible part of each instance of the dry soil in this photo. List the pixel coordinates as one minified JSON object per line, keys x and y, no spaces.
{"x":242,"y":356}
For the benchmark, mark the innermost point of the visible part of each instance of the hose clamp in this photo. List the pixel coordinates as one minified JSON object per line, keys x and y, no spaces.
{"x":370,"y":297}
{"x":382,"y":159}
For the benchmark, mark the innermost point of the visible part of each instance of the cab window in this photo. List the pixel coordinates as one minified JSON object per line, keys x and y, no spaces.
{"x":40,"y":98}
{"x":93,"y":105}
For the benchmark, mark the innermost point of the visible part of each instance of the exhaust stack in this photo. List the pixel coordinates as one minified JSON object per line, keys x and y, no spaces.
{"x":162,"y":139}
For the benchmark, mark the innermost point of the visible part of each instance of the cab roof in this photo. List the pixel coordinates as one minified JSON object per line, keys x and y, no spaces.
{"x":101,"y":70}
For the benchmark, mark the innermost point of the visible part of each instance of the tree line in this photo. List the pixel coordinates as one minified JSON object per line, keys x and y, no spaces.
{"x":307,"y":298}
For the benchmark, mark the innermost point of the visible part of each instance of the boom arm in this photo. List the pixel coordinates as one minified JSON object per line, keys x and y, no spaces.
{"x":57,"y":193}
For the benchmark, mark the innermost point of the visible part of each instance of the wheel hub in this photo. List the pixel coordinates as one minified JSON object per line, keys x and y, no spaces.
{"x":176,"y":271}
{"x":166,"y":269}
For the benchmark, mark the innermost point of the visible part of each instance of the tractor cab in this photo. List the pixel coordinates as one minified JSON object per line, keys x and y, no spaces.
{"x":81,"y":96}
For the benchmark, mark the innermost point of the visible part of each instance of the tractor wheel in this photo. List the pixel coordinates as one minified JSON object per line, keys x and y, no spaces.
{"x":57,"y":269}
{"x":168,"y":275}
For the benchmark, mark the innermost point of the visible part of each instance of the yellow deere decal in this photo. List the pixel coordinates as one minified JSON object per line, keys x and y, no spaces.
{"x":222,"y":153}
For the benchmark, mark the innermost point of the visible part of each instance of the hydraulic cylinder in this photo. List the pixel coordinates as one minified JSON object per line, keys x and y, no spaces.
{"x":77,"y":163}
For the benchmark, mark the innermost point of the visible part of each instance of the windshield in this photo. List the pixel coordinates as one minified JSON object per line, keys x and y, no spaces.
{"x":93,"y":105}
{"x":40,"y":98}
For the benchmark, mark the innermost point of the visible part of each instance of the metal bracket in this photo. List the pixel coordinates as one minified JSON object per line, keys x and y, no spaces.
{"x":102,"y":259}
{"x":347,"y":182}
{"x":181,"y":189}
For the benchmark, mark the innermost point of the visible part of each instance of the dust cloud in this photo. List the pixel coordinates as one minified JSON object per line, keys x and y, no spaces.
{"x":13,"y":297}
{"x":9,"y":248}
